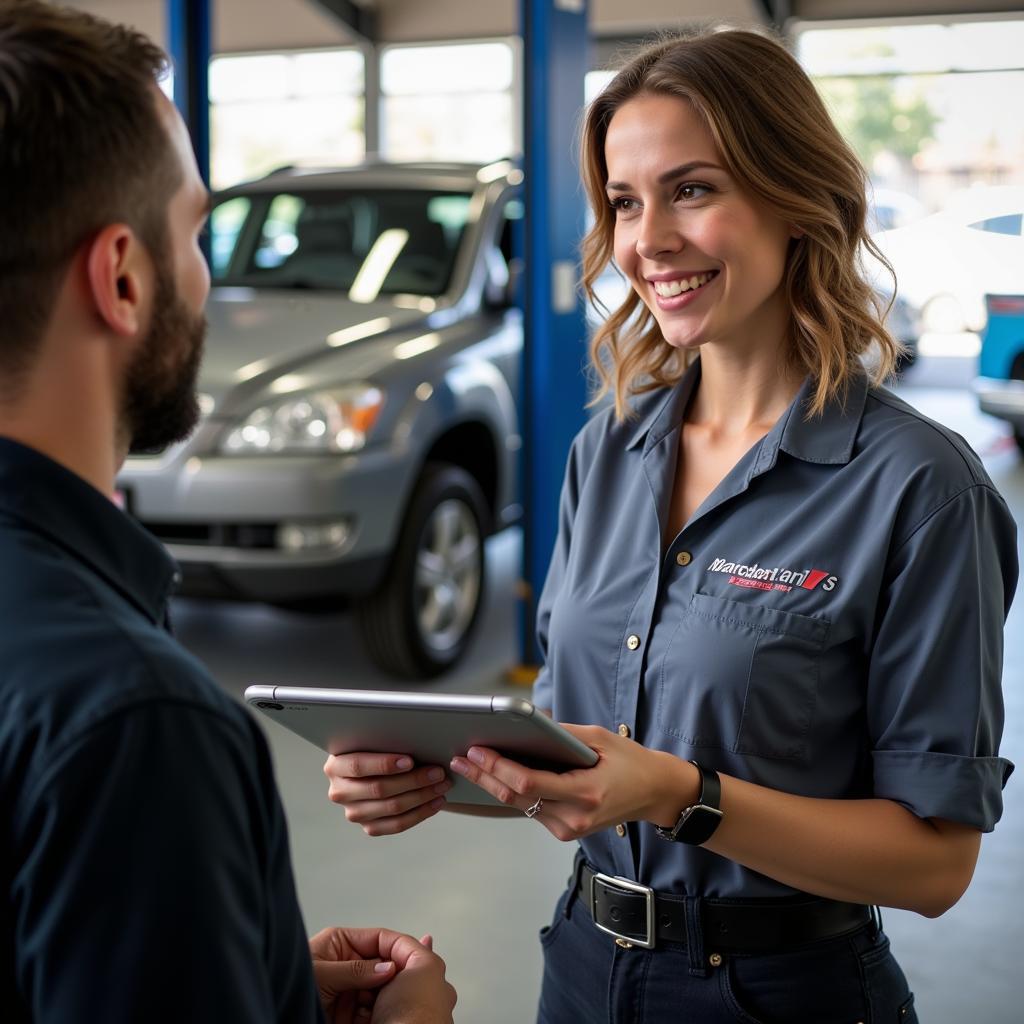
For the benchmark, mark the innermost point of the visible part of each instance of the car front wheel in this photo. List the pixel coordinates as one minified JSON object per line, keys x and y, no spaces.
{"x":418,"y":623}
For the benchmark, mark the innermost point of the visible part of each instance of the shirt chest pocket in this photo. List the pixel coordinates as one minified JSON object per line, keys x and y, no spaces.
{"x":741,"y":677}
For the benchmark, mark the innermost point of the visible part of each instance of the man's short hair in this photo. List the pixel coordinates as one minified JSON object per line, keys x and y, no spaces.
{"x":81,"y":147}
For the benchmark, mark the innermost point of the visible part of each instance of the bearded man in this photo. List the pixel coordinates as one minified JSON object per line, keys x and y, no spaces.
{"x":144,"y":858}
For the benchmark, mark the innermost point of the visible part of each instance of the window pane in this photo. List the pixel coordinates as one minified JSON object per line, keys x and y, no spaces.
{"x":278,"y":239}
{"x":332,"y":71}
{"x":225,"y":222}
{"x":269,"y":110}
{"x":912,"y":48}
{"x":248,"y":78}
{"x":1007,"y":225}
{"x":466,"y":68}
{"x":471,"y":128}
{"x":326,"y":239}
{"x":250,"y":139}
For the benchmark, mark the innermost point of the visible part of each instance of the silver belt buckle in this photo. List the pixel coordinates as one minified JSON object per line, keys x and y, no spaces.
{"x":615,"y":882}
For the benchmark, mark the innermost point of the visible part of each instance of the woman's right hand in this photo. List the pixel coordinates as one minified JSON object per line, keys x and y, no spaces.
{"x":385,"y":793}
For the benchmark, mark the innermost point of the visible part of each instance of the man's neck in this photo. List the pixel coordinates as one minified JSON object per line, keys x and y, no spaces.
{"x":68,"y":417}
{"x":97,"y":471}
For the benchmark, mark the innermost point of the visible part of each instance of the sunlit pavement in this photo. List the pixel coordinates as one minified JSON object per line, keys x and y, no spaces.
{"x":484,"y":888}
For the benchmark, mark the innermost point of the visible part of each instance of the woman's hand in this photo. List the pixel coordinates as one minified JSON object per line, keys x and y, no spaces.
{"x":628,"y":783}
{"x":385,"y":793}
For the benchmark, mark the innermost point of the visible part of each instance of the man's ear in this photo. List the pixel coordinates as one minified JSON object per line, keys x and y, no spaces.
{"x":119,"y":273}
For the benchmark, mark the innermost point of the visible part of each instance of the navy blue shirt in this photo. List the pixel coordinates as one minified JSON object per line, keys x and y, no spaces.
{"x":828,"y":623}
{"x":144,"y":857}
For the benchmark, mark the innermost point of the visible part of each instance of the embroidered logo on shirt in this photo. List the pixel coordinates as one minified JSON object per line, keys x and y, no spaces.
{"x":757,"y":577}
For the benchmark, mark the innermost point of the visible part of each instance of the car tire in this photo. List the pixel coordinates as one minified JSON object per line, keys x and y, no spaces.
{"x":419,"y":621}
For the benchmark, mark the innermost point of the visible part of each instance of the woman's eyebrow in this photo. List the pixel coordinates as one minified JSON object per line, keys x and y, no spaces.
{"x":676,"y":172}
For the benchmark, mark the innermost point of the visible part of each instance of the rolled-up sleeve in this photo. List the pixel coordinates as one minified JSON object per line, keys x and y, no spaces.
{"x":935,"y":707}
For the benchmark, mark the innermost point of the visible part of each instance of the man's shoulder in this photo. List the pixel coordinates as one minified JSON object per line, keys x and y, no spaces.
{"x":71,"y":658}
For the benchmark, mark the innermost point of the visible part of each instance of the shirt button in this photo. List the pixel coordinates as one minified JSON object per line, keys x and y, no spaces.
{"x":624,"y":730}
{"x":633,"y":641}
{"x":620,"y":831}
{"x":684,"y":558}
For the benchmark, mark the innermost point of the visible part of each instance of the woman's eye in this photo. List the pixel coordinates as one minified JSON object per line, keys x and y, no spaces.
{"x":693,"y":190}
{"x":623,"y":204}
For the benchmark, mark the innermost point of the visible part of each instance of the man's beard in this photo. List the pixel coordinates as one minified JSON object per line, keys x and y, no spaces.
{"x":160,"y":406}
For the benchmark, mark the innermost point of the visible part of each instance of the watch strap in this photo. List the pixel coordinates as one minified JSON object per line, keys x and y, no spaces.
{"x":710,"y":787}
{"x":697,"y":823}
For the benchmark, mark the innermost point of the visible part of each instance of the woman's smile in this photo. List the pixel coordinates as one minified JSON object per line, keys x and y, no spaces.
{"x":676,"y":292}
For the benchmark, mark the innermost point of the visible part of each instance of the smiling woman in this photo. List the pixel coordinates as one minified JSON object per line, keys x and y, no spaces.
{"x":726,"y":139}
{"x":747,"y":611}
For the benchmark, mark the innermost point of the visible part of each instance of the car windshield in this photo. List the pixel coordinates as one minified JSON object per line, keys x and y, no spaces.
{"x":367,"y":243}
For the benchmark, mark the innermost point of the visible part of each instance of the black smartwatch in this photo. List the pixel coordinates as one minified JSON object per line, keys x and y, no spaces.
{"x":697,"y":824}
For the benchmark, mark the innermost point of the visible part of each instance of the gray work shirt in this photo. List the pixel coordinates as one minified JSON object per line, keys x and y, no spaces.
{"x":828,"y":623}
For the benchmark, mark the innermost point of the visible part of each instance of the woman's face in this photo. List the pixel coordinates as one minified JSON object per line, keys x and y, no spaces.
{"x":705,"y":257}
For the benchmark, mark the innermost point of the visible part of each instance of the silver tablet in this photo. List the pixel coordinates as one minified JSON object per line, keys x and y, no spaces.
{"x":430,"y":727}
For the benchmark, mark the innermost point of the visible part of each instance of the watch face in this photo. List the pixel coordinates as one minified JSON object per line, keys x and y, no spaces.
{"x":700,"y":824}
{"x":696,"y":825}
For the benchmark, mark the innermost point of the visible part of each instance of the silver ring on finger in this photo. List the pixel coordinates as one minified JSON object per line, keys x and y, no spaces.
{"x":534,"y":809}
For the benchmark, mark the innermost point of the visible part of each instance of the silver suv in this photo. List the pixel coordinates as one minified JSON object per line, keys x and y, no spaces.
{"x":359,"y":436}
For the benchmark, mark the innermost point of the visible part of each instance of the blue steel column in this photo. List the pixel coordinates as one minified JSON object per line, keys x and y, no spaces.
{"x":554,"y":65}
{"x":188,"y":23}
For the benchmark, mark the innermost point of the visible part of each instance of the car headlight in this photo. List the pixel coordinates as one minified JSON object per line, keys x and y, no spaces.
{"x":320,"y":421}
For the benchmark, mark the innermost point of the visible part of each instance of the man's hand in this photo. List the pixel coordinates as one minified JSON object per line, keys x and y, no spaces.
{"x":351,"y":964}
{"x":419,"y":994}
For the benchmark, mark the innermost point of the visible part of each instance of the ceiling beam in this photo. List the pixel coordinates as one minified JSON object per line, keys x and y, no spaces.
{"x":359,"y":21}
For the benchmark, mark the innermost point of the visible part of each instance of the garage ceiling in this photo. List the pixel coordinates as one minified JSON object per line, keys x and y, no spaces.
{"x":241,"y":25}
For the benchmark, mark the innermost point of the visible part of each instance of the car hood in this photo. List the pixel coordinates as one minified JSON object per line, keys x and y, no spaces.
{"x":255,"y":336}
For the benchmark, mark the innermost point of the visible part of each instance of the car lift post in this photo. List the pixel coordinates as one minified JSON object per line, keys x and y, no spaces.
{"x":188,"y":33}
{"x":554,"y":388}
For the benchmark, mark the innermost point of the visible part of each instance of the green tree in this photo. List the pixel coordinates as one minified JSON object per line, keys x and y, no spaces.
{"x":874,"y":118}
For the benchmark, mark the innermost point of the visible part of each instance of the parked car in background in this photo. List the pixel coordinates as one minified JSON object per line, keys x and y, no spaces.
{"x":359,"y":435}
{"x":1000,"y":384}
{"x":946,"y":263}
{"x":904,"y":323}
{"x":890,"y":208}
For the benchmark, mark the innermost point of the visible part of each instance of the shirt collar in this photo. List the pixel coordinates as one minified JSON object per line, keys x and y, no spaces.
{"x":827,"y":439}
{"x":666,"y":414}
{"x":47,"y":498}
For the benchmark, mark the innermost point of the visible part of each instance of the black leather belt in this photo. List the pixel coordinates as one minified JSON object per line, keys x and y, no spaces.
{"x":640,"y":916}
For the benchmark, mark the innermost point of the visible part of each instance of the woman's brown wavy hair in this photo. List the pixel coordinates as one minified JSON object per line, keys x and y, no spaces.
{"x":778,"y":142}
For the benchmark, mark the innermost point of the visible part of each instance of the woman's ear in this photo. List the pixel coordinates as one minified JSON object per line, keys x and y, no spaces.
{"x":795,"y":232}
{"x":118,"y":272}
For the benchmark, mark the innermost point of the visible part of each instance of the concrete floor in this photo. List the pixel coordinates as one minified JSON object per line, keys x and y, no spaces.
{"x":483,"y":888}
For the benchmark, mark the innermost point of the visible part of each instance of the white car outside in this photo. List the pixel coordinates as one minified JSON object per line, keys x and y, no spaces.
{"x":946,"y":263}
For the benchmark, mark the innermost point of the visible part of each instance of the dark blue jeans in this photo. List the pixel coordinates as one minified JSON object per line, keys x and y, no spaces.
{"x":588,"y":979}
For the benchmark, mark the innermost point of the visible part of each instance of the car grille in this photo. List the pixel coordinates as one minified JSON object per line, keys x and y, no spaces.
{"x":220,"y":535}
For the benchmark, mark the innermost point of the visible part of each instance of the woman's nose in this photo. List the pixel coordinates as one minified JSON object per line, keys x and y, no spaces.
{"x":657,"y":236}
